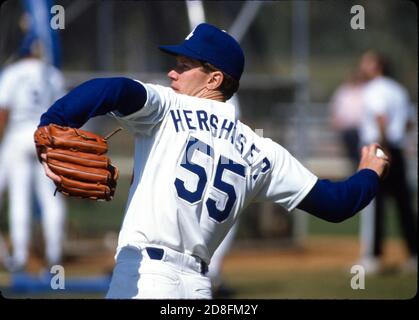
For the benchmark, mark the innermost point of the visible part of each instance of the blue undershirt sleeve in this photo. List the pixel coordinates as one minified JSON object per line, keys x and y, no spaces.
{"x":96,"y":97}
{"x":338,"y":201}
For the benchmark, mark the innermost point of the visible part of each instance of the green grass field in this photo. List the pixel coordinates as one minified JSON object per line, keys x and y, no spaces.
{"x":327,"y":284}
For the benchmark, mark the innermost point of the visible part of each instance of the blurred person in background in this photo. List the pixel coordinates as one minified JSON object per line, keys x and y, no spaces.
{"x":346,"y":112}
{"x":27,"y":87}
{"x":386,"y":118}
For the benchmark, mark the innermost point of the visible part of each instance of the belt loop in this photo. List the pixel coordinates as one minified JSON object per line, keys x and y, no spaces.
{"x":155,"y":253}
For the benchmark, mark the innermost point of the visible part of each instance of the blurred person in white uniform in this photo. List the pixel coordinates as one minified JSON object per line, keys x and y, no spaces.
{"x":386,"y":119}
{"x":27,"y":88}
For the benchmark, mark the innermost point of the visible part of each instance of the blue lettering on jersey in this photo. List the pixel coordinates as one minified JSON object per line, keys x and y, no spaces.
{"x":226,"y":128}
{"x":233,"y":135}
{"x":177,"y":119}
{"x":214,"y":123}
{"x":241,"y":140}
{"x":249,"y":154}
{"x":202,"y":119}
{"x":188,"y":120}
{"x":261,"y":167}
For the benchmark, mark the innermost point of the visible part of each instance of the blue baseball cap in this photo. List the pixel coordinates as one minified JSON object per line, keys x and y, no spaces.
{"x":210,"y":44}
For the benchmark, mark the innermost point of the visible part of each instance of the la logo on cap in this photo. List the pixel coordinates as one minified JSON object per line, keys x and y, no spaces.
{"x":190,"y":35}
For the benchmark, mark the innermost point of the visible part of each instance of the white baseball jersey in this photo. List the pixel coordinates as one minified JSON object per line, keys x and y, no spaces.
{"x":29,"y":87}
{"x":384,"y":96}
{"x":196,"y":167}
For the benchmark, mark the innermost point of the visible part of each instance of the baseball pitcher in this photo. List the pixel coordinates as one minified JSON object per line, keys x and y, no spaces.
{"x":196,"y":167}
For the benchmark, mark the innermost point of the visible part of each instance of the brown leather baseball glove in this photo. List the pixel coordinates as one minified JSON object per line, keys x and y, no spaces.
{"x":78,"y":158}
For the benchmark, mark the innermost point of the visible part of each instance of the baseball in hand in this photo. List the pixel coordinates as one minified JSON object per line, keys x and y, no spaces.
{"x":379,"y":153}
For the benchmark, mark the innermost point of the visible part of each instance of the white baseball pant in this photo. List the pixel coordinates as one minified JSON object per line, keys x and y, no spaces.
{"x":24,"y":172}
{"x":157,"y":273}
